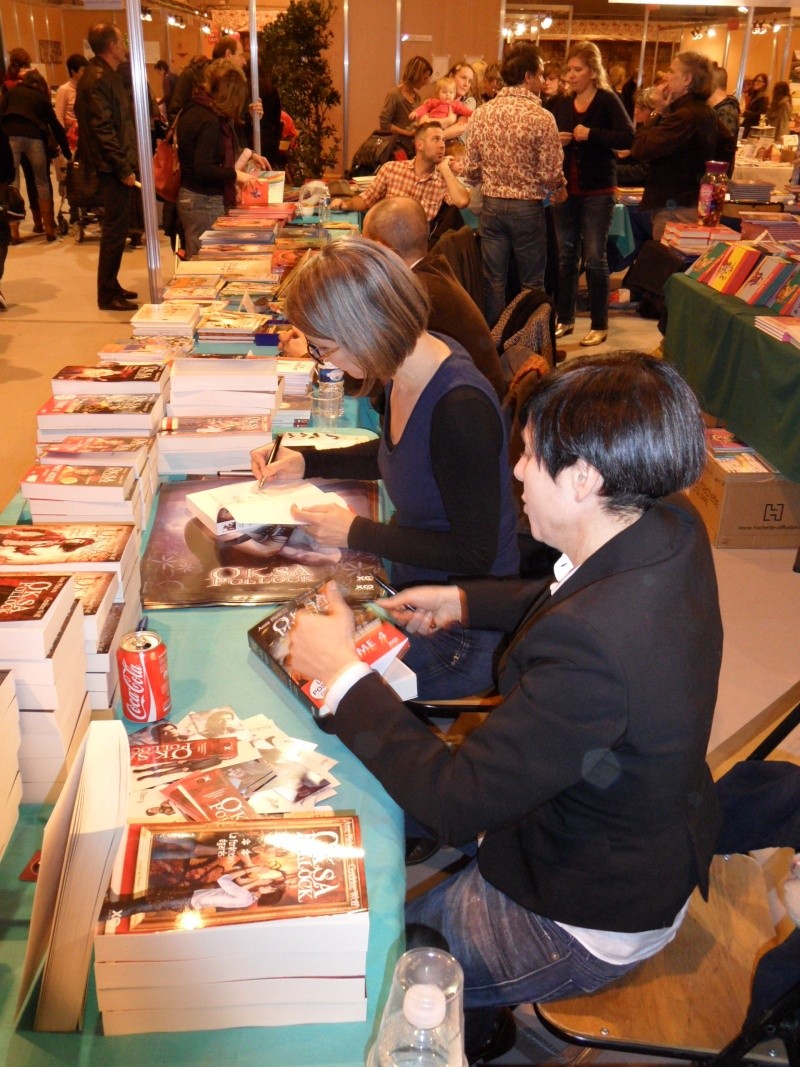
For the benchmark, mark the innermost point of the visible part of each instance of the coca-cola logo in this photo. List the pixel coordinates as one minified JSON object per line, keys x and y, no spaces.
{"x":140,"y":700}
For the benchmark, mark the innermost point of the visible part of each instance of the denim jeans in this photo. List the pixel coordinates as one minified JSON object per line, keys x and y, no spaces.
{"x":454,"y":662}
{"x":582,"y":223}
{"x":509,"y":954}
{"x":198,"y":213}
{"x":33,"y":149}
{"x":508,"y":226}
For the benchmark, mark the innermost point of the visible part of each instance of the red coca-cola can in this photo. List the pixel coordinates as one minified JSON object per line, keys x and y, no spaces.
{"x":143,"y":677}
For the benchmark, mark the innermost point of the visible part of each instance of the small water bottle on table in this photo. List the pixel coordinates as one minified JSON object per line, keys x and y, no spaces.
{"x":327,"y":397}
{"x":415,"y":1036}
{"x":324,"y":207}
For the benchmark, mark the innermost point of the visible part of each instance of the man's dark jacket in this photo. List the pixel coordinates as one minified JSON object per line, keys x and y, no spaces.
{"x":676,"y":146}
{"x":106,"y":130}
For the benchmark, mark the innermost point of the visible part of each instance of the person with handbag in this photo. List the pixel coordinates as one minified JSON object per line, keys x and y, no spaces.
{"x":208,"y":151}
{"x":107,"y":148}
{"x":30,"y":123}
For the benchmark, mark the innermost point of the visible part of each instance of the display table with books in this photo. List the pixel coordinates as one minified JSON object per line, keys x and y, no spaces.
{"x":211,"y":666}
{"x":741,"y":375}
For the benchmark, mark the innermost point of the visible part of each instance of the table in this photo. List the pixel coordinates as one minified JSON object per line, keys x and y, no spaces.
{"x":210,"y":665}
{"x":740,"y":374}
{"x":778,"y":174}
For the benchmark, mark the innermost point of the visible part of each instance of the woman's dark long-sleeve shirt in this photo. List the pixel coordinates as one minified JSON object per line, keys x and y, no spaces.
{"x":610,"y":130}
{"x":28,"y":113}
{"x":201,"y":152}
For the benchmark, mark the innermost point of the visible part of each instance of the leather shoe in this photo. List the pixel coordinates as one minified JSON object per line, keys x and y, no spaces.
{"x":119,"y":303}
{"x":594,"y":337}
{"x":419,"y":849}
{"x":127,"y":294}
{"x":564,"y":328}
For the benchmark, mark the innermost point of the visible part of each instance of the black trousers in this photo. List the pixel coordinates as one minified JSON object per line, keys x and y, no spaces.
{"x":116,"y":199}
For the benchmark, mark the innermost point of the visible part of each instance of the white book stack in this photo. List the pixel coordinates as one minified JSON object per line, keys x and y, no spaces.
{"x":293,"y":413}
{"x":296,"y":374}
{"x":120,"y":415}
{"x":10,"y":778}
{"x":42,"y":643}
{"x":64,"y":492}
{"x":139,"y":453}
{"x":176,"y":318}
{"x":208,"y":444}
{"x":224,"y":387}
{"x":296,"y":955}
{"x":111,"y":377}
{"x":96,"y":591}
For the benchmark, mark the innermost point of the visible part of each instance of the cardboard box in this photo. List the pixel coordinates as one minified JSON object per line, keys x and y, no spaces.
{"x":747,"y":510}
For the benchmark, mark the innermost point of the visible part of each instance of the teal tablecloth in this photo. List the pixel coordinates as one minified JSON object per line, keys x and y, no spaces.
{"x":210,"y":665}
{"x":741,"y":375}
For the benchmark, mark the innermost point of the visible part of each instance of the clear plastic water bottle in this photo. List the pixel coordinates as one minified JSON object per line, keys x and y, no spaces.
{"x":327,"y":397}
{"x":324,"y":207}
{"x":416,"y":1036}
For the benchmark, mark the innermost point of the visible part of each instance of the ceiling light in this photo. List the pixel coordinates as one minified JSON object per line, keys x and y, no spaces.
{"x":205,"y":28}
{"x":146,"y":15}
{"x":547,"y":22}
{"x":742,"y":9}
{"x":711,"y":31}
{"x":519,"y":29}
{"x":777,"y":27}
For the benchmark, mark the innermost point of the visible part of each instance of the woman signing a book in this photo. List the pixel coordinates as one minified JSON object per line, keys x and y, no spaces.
{"x":443,"y":454}
{"x":587,"y":785}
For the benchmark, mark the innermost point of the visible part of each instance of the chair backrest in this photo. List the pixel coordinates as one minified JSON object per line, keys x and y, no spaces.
{"x":690,"y":999}
{"x":529,"y":320}
{"x":460,"y":249}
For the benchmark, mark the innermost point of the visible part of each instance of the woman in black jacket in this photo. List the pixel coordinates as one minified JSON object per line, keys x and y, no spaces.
{"x":592,"y":124}
{"x":208,"y":151}
{"x":28,"y":117}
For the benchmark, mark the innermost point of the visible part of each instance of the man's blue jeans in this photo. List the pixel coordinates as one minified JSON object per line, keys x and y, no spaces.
{"x":583,"y":222}
{"x":509,"y":954}
{"x":508,"y":226}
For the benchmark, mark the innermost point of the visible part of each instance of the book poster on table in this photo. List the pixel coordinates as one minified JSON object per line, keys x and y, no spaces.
{"x":245,"y":870}
{"x":185,"y":565}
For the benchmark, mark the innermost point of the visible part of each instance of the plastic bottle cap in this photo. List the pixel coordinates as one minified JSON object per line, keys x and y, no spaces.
{"x":424,"y":1006}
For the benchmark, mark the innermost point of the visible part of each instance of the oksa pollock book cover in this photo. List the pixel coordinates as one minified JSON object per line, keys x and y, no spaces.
{"x":185,"y":565}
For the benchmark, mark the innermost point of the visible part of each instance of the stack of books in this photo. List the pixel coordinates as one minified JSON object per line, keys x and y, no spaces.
{"x":10,"y":778}
{"x":692,"y":240}
{"x":224,"y":386}
{"x":750,"y":192}
{"x":119,"y":415}
{"x":782,"y":328}
{"x":255,"y":269}
{"x":62,"y":492}
{"x":176,"y":318}
{"x":217,"y":241}
{"x":293,"y":412}
{"x":297,"y":375}
{"x":42,"y":643}
{"x":203,"y":288}
{"x":232,"y":327}
{"x":109,"y":378}
{"x":152,"y":349}
{"x":251,"y":922}
{"x":138,"y":453}
{"x":210,"y":444}
{"x":779,"y":226}
{"x":767,"y":279}
{"x":97,"y":592}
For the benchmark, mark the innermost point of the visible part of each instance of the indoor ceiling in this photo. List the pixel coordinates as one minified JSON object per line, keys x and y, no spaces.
{"x":521,"y":10}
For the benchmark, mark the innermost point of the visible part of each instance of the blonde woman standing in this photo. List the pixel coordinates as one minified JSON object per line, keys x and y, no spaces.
{"x":592,"y":125}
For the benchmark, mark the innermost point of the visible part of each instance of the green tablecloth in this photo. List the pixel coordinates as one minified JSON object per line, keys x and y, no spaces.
{"x":740,"y":374}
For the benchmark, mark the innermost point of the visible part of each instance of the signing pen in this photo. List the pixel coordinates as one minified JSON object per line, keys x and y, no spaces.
{"x":391,"y":591}
{"x":276,"y":444}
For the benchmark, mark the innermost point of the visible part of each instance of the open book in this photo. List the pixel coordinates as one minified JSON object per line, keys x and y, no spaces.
{"x":80,"y":843}
{"x":243,"y":505}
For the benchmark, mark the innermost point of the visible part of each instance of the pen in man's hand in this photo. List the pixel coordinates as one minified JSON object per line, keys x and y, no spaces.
{"x":276,"y":445}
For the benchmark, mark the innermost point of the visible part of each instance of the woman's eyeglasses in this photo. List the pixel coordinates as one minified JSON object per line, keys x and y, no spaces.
{"x":321,"y":355}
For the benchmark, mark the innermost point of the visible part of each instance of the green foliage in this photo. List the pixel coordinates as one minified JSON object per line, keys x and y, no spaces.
{"x":291,"y":49}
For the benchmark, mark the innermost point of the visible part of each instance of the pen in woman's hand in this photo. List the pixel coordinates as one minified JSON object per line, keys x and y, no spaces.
{"x":276,"y":446}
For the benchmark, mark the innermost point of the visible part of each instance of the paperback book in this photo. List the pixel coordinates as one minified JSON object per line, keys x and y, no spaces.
{"x":33,"y":608}
{"x":67,"y":546}
{"x":122,"y":451}
{"x":186,"y":564}
{"x":378,"y":643}
{"x":111,"y":378}
{"x":247,"y":506}
{"x":67,"y":481}
{"x":98,"y":412}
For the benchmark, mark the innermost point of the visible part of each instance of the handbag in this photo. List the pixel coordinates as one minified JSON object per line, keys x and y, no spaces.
{"x":83,"y":185}
{"x":12,"y":206}
{"x":166,"y":165}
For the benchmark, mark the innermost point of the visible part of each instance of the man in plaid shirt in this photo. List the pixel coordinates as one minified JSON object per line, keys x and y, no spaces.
{"x":430,"y":177}
{"x":513,"y":147}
